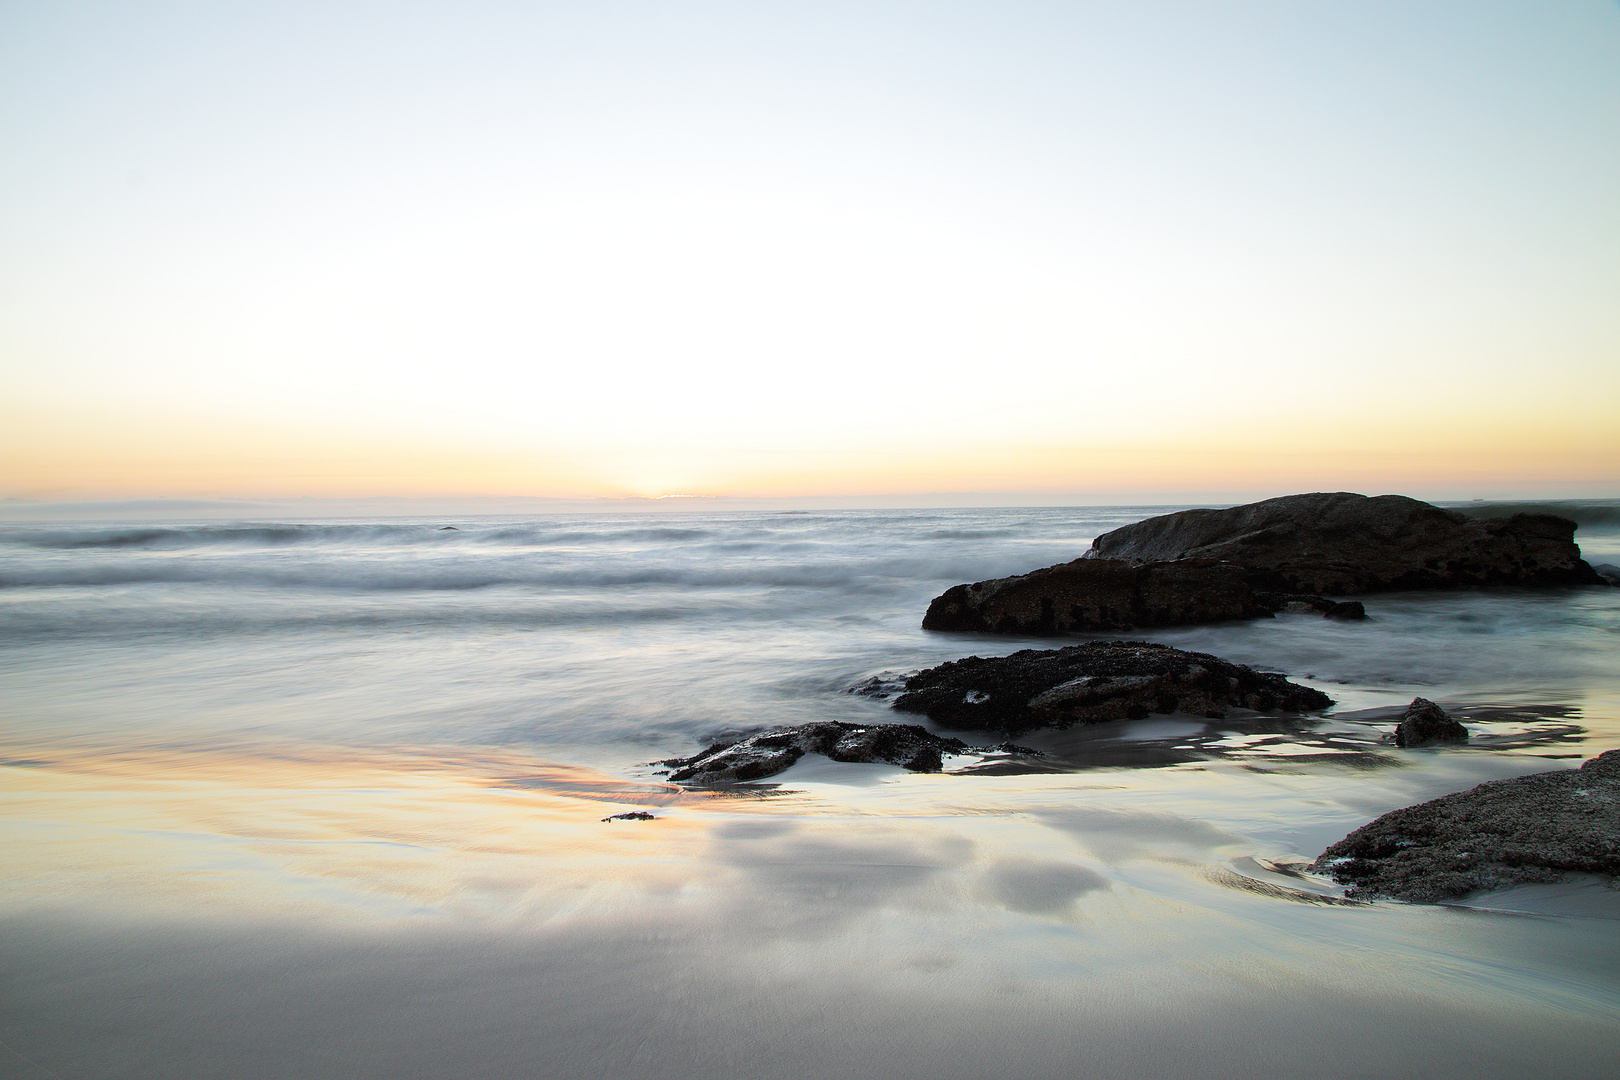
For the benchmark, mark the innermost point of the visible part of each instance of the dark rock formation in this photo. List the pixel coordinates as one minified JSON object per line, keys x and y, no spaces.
{"x":1098,"y":594}
{"x":769,"y":752}
{"x":1506,"y":832}
{"x":1284,"y":554}
{"x":1609,"y":572}
{"x":1425,"y":723}
{"x":632,"y":815}
{"x":1091,"y":683}
{"x":1112,"y":594}
{"x":1337,"y":543}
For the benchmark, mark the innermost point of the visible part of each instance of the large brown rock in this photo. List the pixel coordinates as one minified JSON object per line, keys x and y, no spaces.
{"x":1332,"y":543}
{"x":1098,"y":594}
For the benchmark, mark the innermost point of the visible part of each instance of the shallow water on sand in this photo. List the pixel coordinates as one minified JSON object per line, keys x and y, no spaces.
{"x":327,"y":799}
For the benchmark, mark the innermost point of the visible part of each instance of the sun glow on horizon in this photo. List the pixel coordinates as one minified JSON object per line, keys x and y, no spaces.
{"x":698,"y":250}
{"x":1399,"y":454}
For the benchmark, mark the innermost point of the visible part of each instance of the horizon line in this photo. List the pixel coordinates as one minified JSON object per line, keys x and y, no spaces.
{"x":23,"y":508}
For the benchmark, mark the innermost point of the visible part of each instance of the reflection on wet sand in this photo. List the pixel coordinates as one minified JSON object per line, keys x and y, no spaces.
{"x":436,"y":829}
{"x":385,"y":833}
{"x":259,"y":909}
{"x":1350,"y":738}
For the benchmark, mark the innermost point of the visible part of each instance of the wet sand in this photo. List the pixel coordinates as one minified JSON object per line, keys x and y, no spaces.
{"x":236,"y":912}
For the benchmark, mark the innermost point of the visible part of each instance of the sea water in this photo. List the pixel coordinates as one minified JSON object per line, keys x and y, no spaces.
{"x":327,"y":797}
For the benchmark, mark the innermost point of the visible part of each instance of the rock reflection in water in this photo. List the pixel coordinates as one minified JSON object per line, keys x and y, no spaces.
{"x":1356,"y":739}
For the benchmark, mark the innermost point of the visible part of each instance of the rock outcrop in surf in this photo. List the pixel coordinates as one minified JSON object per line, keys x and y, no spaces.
{"x":1092,"y":683}
{"x":1098,"y":594}
{"x":1531,"y":829}
{"x":1333,"y":543}
{"x":1112,"y":594}
{"x":1287,"y":554}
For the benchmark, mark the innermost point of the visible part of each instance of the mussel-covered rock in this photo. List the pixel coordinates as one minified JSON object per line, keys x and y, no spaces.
{"x":1091,"y":683}
{"x":1534,"y":828}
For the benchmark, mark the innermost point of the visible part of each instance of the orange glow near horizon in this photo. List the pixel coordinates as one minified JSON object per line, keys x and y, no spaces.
{"x":119,"y":459}
{"x":1086,"y":251}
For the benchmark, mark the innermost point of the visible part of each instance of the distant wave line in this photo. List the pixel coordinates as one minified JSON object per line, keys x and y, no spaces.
{"x":175,"y":538}
{"x":349,"y":578}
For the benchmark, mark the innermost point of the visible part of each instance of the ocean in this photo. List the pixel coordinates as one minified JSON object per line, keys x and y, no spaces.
{"x":326,"y":797}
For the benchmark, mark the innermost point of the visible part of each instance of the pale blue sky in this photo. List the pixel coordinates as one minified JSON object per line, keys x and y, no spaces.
{"x":756,"y":248}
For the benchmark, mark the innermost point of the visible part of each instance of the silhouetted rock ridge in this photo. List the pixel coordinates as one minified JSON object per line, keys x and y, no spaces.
{"x":1098,"y":594}
{"x":1332,"y":543}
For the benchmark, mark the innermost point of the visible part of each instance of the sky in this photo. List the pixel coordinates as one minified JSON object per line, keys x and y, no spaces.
{"x":1055,"y":250}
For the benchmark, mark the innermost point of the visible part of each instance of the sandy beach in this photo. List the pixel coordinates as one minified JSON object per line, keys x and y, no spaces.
{"x":244,"y":843}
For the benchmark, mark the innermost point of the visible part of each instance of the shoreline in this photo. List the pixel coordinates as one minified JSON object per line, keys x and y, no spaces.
{"x":353,"y":822}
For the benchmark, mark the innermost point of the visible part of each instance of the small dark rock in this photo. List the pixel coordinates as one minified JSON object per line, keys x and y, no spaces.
{"x":633,"y":815}
{"x":1534,"y":828}
{"x":448,"y":528}
{"x":1092,"y":683}
{"x":770,"y":752}
{"x":1609,"y":572}
{"x":1424,"y":723}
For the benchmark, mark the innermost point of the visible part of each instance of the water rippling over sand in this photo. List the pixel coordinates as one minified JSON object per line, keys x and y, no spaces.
{"x":283,"y":783}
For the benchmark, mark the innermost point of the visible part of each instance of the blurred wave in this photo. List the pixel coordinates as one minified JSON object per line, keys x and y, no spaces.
{"x":1588,"y":514}
{"x":176,"y":538}
{"x":847,"y":550}
{"x":605,"y":632}
{"x":355,"y":576}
